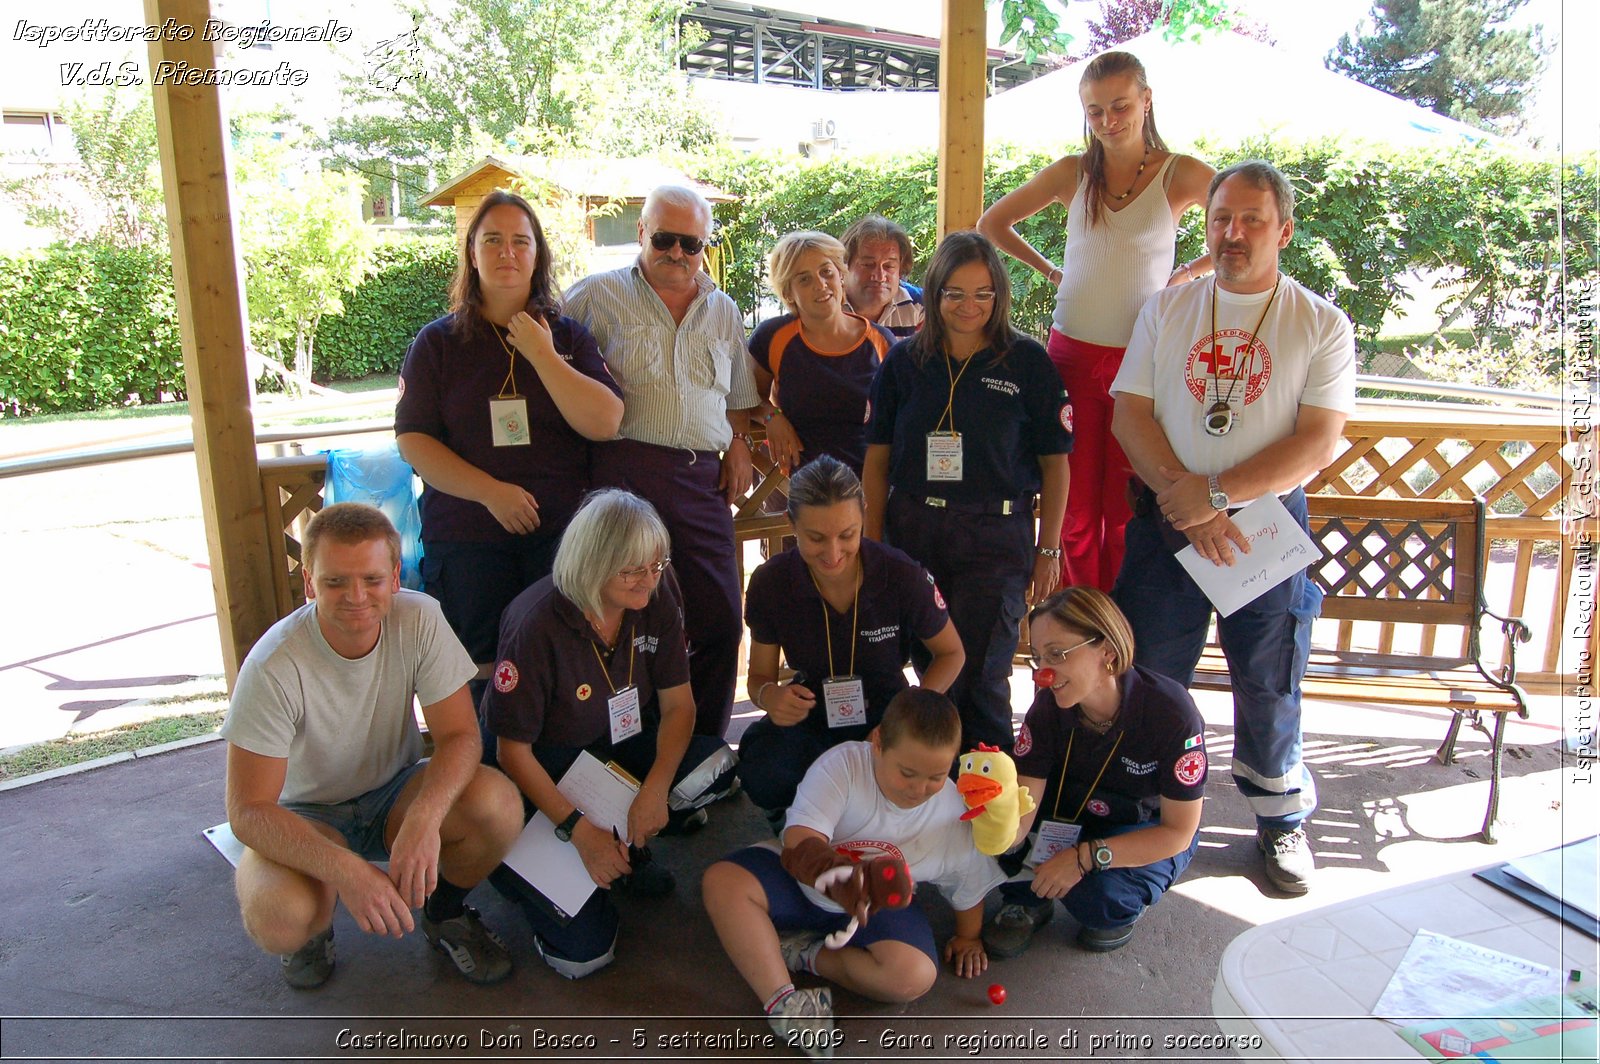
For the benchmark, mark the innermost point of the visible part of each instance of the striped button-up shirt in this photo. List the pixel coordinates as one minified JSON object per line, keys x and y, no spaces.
{"x":678,"y":380}
{"x":902,"y":315}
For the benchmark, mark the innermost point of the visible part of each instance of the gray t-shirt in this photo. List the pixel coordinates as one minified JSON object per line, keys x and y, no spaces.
{"x":346,"y":726}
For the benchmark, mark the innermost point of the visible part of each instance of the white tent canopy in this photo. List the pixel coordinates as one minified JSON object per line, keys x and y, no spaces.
{"x":1224,"y":89}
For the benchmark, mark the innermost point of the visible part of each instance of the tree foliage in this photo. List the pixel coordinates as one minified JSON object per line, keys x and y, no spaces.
{"x":1123,"y":20}
{"x":1457,"y":58}
{"x":528,"y":76}
{"x":115,"y":195}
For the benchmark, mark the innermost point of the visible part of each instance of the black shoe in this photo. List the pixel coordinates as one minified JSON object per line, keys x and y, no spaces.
{"x":1104,"y":939}
{"x":686,"y":824}
{"x":647,"y":880}
{"x":1011,"y":930}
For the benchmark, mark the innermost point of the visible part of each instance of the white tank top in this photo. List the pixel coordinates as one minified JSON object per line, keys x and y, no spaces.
{"x":1113,"y":266}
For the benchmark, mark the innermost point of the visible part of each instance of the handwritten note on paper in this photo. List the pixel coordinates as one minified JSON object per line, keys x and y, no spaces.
{"x":1279,"y":548}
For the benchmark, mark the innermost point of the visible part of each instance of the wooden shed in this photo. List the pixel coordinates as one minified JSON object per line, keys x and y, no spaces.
{"x":598,"y":181}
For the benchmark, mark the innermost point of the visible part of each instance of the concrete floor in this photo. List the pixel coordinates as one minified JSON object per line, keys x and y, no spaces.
{"x":124,"y":939}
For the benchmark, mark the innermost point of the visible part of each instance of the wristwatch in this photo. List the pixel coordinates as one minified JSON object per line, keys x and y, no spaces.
{"x":564,"y":829}
{"x":1219,"y":498}
{"x":1101,"y":854}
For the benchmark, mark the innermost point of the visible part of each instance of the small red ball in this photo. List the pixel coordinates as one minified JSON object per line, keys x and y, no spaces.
{"x":997,"y":993}
{"x":1044,"y":677}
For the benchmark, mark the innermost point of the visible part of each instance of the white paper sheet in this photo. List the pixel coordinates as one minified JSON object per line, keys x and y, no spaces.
{"x":1567,"y":873}
{"x":1443,"y":977}
{"x":553,"y":867}
{"x":1279,"y":548}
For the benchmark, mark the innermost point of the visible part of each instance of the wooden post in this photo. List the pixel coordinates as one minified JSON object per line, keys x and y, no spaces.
{"x":963,"y":66}
{"x":190,"y":135}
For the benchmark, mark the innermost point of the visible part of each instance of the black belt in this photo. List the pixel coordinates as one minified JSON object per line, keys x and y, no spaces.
{"x":1003,"y":508}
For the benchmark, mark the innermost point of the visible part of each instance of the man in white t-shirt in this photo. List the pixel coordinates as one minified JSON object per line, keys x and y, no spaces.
{"x":1231,"y":389}
{"x":324,"y":773}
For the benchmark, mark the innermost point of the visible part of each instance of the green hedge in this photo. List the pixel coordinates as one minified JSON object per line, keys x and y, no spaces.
{"x":1486,"y":221}
{"x":408,"y":287}
{"x":86,"y":326}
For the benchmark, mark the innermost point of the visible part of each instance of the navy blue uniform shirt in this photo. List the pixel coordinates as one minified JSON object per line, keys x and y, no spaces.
{"x":552,"y":677}
{"x":1160,"y":751}
{"x":898,"y":603}
{"x":446,"y":383}
{"x":1009,"y":412}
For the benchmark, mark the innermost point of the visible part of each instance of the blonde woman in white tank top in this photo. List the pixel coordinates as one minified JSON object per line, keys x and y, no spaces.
{"x":1121,"y":236}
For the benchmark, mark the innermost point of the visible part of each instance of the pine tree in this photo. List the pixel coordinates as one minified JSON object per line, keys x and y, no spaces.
{"x":1455,"y":57}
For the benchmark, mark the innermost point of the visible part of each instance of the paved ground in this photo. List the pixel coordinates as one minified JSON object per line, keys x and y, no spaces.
{"x":122,"y":918}
{"x":121,"y":910}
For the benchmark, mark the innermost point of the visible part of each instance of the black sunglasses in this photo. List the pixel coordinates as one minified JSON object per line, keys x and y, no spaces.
{"x":663,"y":241}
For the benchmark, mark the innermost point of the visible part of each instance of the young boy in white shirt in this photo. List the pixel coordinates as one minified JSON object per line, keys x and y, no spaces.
{"x":873,"y":804}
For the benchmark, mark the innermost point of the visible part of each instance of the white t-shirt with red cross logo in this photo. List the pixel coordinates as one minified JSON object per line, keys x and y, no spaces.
{"x":1303,"y":353}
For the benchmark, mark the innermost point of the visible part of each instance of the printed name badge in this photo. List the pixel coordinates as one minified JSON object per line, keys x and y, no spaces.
{"x":508,"y":422}
{"x":944,"y":456}
{"x":624,"y":709}
{"x":846,"y":701}
{"x":1054,"y":836}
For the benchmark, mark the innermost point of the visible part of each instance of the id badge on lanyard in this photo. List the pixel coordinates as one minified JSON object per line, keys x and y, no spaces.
{"x":846,"y":701}
{"x":508,"y":422}
{"x":623,"y":708}
{"x":1054,"y":836}
{"x":944,"y":456}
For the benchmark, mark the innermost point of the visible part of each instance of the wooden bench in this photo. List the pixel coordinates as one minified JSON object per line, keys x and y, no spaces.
{"x":1410,"y":561}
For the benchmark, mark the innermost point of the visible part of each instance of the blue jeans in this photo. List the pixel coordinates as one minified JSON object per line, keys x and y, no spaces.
{"x":1267,"y":644}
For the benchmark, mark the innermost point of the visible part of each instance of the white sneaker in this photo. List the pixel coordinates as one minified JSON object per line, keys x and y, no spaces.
{"x":800,"y":949}
{"x":1288,"y":858}
{"x":804,"y":1021}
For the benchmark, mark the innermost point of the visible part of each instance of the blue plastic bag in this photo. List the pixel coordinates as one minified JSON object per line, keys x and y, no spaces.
{"x":382,"y":478}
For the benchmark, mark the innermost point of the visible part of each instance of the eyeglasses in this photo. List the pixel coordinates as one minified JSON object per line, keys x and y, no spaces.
{"x":691,"y":245}
{"x":1057,"y":656}
{"x":957,"y":295}
{"x":633,"y":576}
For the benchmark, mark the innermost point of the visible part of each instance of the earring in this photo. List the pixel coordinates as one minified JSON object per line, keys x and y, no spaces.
{"x":1110,"y":667}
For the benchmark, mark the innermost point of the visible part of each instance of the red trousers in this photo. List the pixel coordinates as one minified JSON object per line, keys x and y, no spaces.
{"x":1097,"y":500}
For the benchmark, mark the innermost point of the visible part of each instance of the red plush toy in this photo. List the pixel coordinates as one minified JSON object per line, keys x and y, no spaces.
{"x":858,"y":888}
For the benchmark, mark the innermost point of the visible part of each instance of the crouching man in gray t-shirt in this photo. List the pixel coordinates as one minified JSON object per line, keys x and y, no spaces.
{"x":324,"y":769}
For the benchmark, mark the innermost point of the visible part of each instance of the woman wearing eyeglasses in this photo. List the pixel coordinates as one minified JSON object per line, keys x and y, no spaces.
{"x":498,"y":403}
{"x":845,"y":613}
{"x":815,"y":364}
{"x":1124,"y":196}
{"x":592,"y":658}
{"x":1116,"y":757}
{"x":969,"y":423}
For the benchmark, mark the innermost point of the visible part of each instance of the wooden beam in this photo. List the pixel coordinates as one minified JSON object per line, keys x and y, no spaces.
{"x":962,"y":84}
{"x":192,"y":141}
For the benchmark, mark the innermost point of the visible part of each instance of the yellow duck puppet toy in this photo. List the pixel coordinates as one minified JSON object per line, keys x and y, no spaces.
{"x":996,"y":802}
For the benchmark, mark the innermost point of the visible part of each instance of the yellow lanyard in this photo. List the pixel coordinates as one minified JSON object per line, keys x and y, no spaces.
{"x":511,"y":367}
{"x":1061,"y":784}
{"x":827,"y":627}
{"x":955,"y":378}
{"x":631,"y":648}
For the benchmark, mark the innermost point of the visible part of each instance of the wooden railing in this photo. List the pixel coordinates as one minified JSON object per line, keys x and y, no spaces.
{"x":1421,"y":451}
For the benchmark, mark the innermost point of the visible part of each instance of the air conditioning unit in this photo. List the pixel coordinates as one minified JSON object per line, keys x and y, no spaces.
{"x":824,"y":129}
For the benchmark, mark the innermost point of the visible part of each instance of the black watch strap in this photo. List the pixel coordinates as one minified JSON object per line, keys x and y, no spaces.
{"x":564,"y":829}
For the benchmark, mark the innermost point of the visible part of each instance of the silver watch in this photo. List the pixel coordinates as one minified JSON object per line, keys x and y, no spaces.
{"x":1219,"y":498}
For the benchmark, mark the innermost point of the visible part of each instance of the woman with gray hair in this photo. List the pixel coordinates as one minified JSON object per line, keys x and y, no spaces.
{"x":844,"y":612}
{"x":815,"y":364}
{"x":592,"y":658}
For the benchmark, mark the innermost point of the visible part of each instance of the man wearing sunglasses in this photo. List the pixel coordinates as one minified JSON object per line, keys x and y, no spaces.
{"x":675,"y":343}
{"x":1232,"y":388}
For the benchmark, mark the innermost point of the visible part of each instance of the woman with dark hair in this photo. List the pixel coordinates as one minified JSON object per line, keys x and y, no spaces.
{"x":498,"y":402}
{"x":969,"y":423}
{"x":1124,"y":196}
{"x":845,"y":613}
{"x":1116,"y":756}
